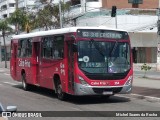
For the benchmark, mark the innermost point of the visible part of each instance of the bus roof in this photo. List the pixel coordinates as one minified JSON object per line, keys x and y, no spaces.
{"x":59,"y":31}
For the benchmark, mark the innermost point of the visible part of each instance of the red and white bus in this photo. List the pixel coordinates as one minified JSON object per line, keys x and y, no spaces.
{"x":77,"y":61}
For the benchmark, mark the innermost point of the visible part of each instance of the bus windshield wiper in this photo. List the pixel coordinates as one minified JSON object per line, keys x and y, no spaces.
{"x":113,"y":48}
{"x":97,"y":48}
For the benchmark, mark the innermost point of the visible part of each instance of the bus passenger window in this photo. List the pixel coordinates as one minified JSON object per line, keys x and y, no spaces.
{"x":47,"y":47}
{"x":58,"y":47}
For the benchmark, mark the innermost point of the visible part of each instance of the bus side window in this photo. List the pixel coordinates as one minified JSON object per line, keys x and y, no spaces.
{"x":47,"y":47}
{"x":58,"y":47}
{"x":19,"y":48}
{"x":29,"y":48}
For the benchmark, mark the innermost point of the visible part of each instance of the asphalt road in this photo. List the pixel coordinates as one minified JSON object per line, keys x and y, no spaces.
{"x":39,"y":99}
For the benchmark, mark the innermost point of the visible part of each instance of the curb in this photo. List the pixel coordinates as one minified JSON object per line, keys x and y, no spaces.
{"x":147,"y":77}
{"x":147,"y":98}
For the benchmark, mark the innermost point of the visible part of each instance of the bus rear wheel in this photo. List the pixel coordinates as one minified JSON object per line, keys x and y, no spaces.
{"x":24,"y":84}
{"x":60,"y":94}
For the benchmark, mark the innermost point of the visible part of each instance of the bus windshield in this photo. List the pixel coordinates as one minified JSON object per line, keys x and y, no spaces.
{"x":103,"y":56}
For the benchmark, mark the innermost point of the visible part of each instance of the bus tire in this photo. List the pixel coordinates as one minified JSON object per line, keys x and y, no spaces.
{"x":60,"y":94}
{"x":24,"y":84}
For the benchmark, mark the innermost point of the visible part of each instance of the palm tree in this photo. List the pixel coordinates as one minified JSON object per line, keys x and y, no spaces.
{"x":4,"y":27}
{"x":19,"y":19}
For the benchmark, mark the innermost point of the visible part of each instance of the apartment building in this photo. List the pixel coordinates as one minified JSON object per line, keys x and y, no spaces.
{"x":7,"y":8}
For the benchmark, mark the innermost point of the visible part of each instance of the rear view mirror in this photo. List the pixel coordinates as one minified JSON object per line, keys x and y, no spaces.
{"x":11,"y":108}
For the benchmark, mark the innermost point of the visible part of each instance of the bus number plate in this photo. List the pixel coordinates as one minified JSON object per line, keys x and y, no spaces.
{"x":107,"y":92}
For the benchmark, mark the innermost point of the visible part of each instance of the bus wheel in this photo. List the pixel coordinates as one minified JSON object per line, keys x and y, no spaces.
{"x":24,"y":84}
{"x":60,"y":94}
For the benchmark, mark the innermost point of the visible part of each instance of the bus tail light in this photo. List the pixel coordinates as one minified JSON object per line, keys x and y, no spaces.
{"x":129,"y":81}
{"x":83,"y":82}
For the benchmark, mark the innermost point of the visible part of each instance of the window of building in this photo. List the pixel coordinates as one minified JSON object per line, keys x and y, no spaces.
{"x":92,"y":0}
{"x":5,"y":15}
{"x":11,"y":5}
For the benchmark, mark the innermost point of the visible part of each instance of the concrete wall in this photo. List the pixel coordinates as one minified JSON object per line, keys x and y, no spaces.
{"x":143,"y":39}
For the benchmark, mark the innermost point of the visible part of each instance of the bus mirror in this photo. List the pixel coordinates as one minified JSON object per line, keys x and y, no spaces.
{"x":19,"y":48}
{"x":74,"y":47}
{"x":73,"y":37}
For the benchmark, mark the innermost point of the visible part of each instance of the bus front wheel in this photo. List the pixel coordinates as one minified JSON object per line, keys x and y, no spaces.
{"x":24,"y":84}
{"x":60,"y":94}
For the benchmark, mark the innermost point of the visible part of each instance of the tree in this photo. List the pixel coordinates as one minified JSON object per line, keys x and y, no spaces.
{"x":4,"y":27}
{"x":49,"y":16}
{"x":145,"y":68}
{"x":19,"y":18}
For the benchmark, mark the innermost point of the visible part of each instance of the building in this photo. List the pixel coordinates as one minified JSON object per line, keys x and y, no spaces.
{"x":141,"y":23}
{"x":7,"y":8}
{"x":146,"y":4}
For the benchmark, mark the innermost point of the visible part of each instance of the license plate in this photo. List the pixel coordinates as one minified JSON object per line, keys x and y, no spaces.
{"x":107,"y":92}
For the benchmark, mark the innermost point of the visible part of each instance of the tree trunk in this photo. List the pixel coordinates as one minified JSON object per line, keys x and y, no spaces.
{"x":5,"y":49}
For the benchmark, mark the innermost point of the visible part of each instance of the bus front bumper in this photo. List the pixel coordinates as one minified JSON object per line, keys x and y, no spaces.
{"x":101,"y":90}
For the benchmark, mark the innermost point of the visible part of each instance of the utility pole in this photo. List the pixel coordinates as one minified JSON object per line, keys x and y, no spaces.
{"x":60,"y":14}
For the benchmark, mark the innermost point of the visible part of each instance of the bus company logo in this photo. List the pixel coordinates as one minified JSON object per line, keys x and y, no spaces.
{"x":62,"y":66}
{"x":24,"y":63}
{"x":100,"y":83}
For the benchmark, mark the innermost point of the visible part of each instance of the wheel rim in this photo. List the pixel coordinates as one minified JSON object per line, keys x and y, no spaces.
{"x":23,"y":82}
{"x":59,"y":92}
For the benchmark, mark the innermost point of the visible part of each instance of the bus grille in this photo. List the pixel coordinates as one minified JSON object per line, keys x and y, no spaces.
{"x":105,"y":77}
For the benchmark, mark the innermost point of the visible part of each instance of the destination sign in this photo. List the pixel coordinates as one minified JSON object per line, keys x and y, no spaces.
{"x":102,"y":34}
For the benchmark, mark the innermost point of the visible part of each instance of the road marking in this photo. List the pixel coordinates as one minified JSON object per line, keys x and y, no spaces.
{"x":7,"y":73}
{"x":1,"y":70}
{"x":138,"y":96}
{"x":10,"y":83}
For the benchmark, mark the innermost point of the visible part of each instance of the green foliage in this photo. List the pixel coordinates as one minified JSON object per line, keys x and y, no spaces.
{"x":4,"y":27}
{"x":49,"y":16}
{"x":145,"y":68}
{"x":19,"y":18}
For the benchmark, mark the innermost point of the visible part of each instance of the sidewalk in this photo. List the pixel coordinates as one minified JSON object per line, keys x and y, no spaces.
{"x":2,"y":64}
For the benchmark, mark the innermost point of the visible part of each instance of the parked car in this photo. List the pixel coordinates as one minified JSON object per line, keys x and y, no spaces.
{"x":8,"y":109}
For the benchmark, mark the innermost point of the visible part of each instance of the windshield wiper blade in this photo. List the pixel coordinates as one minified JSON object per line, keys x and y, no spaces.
{"x":98,"y":49}
{"x":113,"y":49}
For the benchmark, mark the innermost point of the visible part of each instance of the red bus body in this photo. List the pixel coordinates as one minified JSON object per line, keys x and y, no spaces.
{"x":42,"y":69}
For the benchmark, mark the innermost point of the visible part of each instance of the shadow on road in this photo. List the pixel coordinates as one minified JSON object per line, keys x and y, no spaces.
{"x":80,"y":100}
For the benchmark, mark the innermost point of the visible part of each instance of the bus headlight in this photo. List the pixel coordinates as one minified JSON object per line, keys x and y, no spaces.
{"x":83,"y":82}
{"x":129,"y":81}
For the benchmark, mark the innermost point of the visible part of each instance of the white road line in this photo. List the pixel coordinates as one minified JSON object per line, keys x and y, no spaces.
{"x":1,"y":70}
{"x":10,"y":83}
{"x":7,"y":73}
{"x":138,"y":96}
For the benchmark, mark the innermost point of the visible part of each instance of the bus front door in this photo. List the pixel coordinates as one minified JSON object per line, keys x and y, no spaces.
{"x":70,"y":67}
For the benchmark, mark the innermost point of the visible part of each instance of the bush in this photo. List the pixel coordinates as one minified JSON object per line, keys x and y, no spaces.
{"x":145,"y":68}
